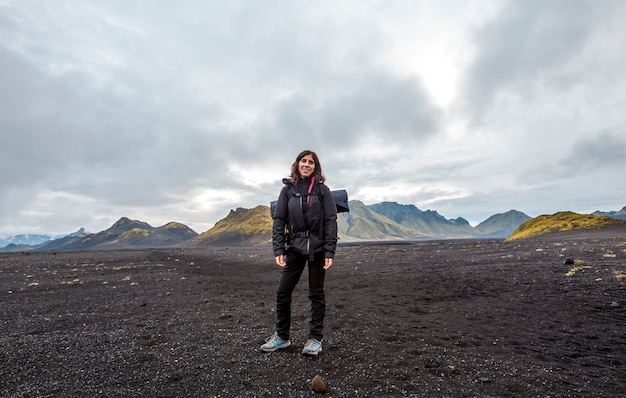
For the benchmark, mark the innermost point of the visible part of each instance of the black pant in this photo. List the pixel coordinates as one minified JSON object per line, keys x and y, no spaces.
{"x":289,"y":278}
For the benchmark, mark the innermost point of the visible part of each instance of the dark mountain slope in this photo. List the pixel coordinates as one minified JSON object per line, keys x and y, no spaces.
{"x":124,"y":234}
{"x":501,"y":225}
{"x":426,"y":223}
{"x":364,"y":223}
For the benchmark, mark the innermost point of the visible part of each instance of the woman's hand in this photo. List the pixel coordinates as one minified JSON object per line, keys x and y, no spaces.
{"x":328,"y":262}
{"x":280,"y":260}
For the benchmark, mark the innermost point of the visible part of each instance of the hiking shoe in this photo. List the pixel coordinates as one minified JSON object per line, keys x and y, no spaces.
{"x":274,"y":343}
{"x":312,"y":347}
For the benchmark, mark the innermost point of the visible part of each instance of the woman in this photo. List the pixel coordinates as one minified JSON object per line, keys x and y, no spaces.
{"x":304,"y":231}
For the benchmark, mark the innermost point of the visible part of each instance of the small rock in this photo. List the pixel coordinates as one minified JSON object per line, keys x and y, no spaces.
{"x":615,"y":304}
{"x":568,"y":261}
{"x":318,"y":384}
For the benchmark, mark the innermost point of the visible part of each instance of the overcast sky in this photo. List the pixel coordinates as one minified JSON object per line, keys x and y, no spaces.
{"x":181,"y":111}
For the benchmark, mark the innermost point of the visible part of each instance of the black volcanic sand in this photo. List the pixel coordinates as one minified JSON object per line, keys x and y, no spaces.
{"x":432,"y":319}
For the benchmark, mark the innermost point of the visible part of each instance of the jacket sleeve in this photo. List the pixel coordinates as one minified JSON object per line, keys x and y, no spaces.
{"x":280,"y":219}
{"x":330,"y":224}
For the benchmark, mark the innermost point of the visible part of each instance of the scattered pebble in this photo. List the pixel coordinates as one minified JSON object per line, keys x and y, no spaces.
{"x":318,"y":384}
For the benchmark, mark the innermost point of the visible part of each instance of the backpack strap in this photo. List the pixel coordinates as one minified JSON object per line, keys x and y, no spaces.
{"x":320,"y":232}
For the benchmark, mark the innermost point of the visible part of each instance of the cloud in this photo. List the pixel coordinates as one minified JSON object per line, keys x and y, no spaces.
{"x":606,"y":150}
{"x":601,"y":153}
{"x":378,"y":105}
{"x":529,"y":45}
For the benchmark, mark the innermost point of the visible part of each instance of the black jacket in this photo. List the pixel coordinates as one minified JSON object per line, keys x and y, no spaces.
{"x":305,"y":222}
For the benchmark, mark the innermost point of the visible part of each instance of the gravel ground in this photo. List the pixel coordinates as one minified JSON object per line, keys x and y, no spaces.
{"x":426,"y":319}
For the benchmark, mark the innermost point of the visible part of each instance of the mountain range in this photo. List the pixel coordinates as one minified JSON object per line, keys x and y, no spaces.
{"x":620,"y":214}
{"x":382,"y":221}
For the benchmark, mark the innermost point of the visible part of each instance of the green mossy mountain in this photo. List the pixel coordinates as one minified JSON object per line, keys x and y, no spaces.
{"x":561,"y":222}
{"x":240,"y":227}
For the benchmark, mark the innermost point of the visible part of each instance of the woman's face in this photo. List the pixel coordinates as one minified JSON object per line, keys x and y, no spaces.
{"x":306,"y":166}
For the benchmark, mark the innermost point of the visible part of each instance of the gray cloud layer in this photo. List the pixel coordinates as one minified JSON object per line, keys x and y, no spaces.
{"x":163,"y":111}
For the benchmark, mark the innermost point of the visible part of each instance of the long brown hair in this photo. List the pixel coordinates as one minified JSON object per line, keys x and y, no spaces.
{"x":295,"y":174}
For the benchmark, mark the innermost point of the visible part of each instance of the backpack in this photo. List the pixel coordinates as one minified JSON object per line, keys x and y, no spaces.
{"x":340,"y":197}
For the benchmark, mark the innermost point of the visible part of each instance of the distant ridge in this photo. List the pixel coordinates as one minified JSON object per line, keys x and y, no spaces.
{"x":620,"y":214}
{"x":426,"y":223}
{"x":364,"y":223}
{"x":25,"y":240}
